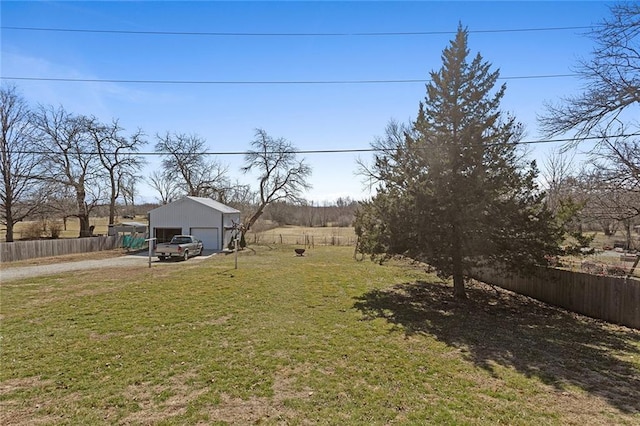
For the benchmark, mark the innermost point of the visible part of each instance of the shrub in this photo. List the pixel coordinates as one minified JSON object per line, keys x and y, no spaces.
{"x":592,"y":268}
{"x":616,"y":270}
{"x":55,"y":228}
{"x":32,"y":231}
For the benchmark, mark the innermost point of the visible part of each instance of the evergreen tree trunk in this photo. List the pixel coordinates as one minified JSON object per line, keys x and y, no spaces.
{"x":459,"y":291}
{"x":458,"y":270}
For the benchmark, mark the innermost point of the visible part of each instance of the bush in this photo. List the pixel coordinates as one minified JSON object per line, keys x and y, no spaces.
{"x":616,"y":270}
{"x":33,"y":231}
{"x":602,"y":269}
{"x":55,"y":228}
{"x":592,"y":268}
{"x":241,"y":244}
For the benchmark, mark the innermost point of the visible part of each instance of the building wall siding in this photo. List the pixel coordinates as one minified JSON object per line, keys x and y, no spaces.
{"x":187,"y":214}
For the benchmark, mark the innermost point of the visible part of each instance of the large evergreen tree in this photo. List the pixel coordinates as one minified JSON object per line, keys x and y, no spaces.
{"x":454,"y":191}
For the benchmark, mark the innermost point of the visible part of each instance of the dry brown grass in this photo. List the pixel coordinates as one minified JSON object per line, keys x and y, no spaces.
{"x":76,"y":257}
{"x":304,"y":235}
{"x":73,"y":227}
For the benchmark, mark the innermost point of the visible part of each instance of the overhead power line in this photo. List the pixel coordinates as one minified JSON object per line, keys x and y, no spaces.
{"x":328,"y":151}
{"x":275,"y":34}
{"x":258,"y":82}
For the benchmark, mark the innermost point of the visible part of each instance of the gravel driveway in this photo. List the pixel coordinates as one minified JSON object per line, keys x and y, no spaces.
{"x":21,"y":272}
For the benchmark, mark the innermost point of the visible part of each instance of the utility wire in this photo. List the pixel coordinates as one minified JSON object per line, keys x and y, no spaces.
{"x":283,"y":82}
{"x":259,"y":82}
{"x":326,"y":151}
{"x":327,"y":34}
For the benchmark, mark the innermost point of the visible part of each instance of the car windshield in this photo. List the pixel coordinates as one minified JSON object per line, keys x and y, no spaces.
{"x":180,"y":240}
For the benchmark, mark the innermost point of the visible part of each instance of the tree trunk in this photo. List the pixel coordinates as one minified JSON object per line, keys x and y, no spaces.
{"x":627,"y":232}
{"x":85,"y":230}
{"x":9,"y":219}
{"x":9,"y":236}
{"x":112,"y":201}
{"x":458,"y":271}
{"x":255,"y":217}
{"x":83,"y":214}
{"x":112,"y":210}
{"x":459,"y":291}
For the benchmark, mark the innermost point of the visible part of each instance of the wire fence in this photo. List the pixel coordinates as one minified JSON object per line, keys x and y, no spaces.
{"x":307,"y":239}
{"x":613,"y":265}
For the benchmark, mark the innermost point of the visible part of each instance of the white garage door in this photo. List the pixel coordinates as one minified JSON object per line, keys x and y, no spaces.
{"x":208,"y":236}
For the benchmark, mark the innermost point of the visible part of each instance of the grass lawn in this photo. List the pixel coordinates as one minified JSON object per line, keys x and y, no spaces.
{"x":319,"y":339}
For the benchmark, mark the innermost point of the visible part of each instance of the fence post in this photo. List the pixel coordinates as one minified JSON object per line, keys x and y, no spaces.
{"x":149,"y":240}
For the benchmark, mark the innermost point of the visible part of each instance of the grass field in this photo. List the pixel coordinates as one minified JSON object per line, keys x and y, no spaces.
{"x":319,"y":339}
{"x":305,"y":236}
{"x":73,"y":227}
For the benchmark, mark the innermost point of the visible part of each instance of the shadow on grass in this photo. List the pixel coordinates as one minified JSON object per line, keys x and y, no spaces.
{"x":538,"y":340}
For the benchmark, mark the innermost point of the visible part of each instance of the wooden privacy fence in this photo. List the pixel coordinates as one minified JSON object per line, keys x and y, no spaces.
{"x":612,"y":299}
{"x":22,"y":250}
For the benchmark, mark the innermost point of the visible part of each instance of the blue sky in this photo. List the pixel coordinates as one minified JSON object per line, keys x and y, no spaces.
{"x":311,"y":116}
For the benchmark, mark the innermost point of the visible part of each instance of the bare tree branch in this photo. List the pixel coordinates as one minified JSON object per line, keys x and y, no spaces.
{"x":185,"y":160}
{"x":612,"y":78}
{"x":21,"y":193}
{"x":281,"y":175}
{"x":69,"y":159}
{"x":116,"y":154}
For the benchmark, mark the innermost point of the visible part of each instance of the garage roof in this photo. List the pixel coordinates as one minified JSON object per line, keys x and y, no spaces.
{"x":208,"y":202}
{"x":214,"y":204}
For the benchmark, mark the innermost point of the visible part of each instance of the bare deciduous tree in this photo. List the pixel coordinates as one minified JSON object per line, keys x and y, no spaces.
{"x":20,"y":195}
{"x":117,"y":156}
{"x":394,"y":140}
{"x":239,"y":196}
{"x":165,"y":186}
{"x":608,"y":109}
{"x":609,"y":105}
{"x":281,"y":176}
{"x":129,"y":190}
{"x":70,"y":160}
{"x":608,"y":204}
{"x":185,"y":162}
{"x":557,"y":174}
{"x":612,"y":77}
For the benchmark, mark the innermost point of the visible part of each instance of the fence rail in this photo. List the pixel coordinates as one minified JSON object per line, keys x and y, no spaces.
{"x":612,"y":299}
{"x":23,"y":250}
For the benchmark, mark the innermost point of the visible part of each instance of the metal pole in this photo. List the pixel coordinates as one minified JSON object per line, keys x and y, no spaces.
{"x":236,"y":250}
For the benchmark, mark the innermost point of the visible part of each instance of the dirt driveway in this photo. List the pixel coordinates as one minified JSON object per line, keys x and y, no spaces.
{"x":142,"y":259}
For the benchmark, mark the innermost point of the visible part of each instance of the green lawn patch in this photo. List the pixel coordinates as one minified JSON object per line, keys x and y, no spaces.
{"x":318,"y":339}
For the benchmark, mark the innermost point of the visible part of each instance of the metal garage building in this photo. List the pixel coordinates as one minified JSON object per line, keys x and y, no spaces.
{"x":204,"y":218}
